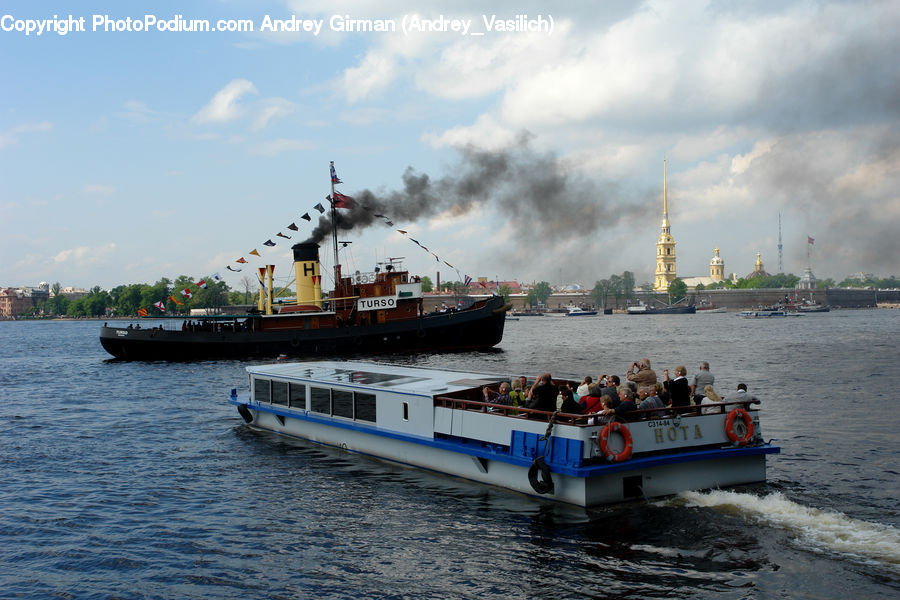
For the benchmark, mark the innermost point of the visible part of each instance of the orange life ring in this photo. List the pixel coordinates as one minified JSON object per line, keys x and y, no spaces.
{"x":625,"y":453}
{"x":735,"y":435}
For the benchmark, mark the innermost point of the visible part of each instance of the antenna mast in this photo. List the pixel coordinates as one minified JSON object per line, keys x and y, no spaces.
{"x":780,"y":257}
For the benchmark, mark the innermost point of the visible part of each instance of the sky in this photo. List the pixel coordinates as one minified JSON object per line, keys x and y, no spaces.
{"x":531,"y":153}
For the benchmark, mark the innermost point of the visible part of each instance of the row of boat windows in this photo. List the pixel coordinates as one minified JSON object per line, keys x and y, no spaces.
{"x":337,"y":403}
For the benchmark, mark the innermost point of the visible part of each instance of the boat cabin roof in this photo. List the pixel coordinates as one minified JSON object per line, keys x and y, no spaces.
{"x":397,"y":378}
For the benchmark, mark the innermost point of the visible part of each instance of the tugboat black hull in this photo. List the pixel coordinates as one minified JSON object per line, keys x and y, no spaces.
{"x":477,"y":328}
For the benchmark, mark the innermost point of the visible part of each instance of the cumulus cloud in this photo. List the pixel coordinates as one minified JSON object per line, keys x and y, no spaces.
{"x":271,"y":108}
{"x":8,"y":138}
{"x":85,"y":255}
{"x":225,"y":105}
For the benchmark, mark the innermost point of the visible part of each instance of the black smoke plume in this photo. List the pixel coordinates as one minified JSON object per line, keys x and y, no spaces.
{"x":536,"y":192}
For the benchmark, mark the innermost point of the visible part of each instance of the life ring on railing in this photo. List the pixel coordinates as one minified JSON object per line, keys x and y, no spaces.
{"x":245,"y":413}
{"x":739,"y":431}
{"x":623,"y":454}
{"x":539,"y":476}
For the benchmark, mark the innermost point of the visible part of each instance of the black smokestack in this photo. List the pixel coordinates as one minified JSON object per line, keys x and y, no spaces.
{"x":537,"y":192}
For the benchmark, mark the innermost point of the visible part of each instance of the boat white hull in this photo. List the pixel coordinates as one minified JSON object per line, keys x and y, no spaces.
{"x":637,"y":478}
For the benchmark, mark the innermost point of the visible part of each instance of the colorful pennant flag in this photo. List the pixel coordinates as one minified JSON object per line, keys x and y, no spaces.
{"x":217,"y":277}
{"x":292,"y":227}
{"x":254,"y":252}
{"x":173,"y":299}
{"x":186,"y":292}
{"x":810,"y":240}
{"x":401,"y":231}
{"x":201,"y":284}
{"x":142,"y":312}
{"x":160,"y":306}
{"x":467,"y":281}
{"x":342,"y":201}
{"x":241,"y":260}
{"x":235,"y":270}
{"x":279,"y":234}
{"x":334,"y":177}
{"x":269,"y":243}
{"x":306,"y":217}
{"x":320,"y":208}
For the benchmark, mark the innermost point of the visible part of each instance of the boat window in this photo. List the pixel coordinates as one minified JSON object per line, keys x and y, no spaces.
{"x":406,"y":411}
{"x":280,"y":393}
{"x":342,"y":403}
{"x":298,"y":395}
{"x":320,"y":400}
{"x":364,"y":409}
{"x":262,"y":390}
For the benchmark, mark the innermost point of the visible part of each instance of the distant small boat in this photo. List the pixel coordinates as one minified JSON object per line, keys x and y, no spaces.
{"x":711,"y":308}
{"x":645,"y":309}
{"x":509,"y":318}
{"x":577,"y":311}
{"x":764,"y":314}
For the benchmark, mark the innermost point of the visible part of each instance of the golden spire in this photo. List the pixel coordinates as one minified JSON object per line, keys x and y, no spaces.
{"x":665,"y":221}
{"x":665,"y":203}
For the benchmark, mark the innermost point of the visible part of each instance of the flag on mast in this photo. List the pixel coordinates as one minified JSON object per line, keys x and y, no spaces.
{"x":809,"y":240}
{"x":160,"y":306}
{"x":334,"y":177}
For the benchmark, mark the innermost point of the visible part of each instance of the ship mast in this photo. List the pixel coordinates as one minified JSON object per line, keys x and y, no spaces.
{"x":337,"y":267}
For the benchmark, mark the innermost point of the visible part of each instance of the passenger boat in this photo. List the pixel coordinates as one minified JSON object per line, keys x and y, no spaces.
{"x":577,"y":311}
{"x":437,"y":420}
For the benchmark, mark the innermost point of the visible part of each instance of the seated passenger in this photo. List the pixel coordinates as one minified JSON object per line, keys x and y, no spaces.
{"x":517,"y":395}
{"x":652,"y":401}
{"x":742,"y":395}
{"x":593,"y":401}
{"x":710,"y":397}
{"x":568,"y":406}
{"x":501,"y":397}
{"x":612,"y":389}
{"x":585,"y":386}
{"x":626,"y":404}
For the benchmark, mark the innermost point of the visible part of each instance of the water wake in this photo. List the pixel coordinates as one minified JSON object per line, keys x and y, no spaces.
{"x":821,"y":530}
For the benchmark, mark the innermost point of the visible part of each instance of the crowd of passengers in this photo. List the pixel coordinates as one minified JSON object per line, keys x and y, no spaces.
{"x":608,"y":398}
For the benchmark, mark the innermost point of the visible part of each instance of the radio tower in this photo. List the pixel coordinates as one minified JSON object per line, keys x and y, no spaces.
{"x":780,"y":258}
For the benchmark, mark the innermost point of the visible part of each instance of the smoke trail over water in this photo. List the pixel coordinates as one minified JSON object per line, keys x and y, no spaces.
{"x":536,"y":192}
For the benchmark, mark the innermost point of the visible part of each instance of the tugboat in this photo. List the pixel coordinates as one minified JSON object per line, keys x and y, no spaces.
{"x":368,"y":313}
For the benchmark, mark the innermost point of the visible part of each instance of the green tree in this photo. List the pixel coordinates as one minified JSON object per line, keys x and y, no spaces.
{"x":627,"y":285}
{"x":427,"y":285}
{"x":542,"y":291}
{"x":600,"y":292}
{"x":615,"y":287}
{"x":505,"y":292}
{"x":677,"y":290}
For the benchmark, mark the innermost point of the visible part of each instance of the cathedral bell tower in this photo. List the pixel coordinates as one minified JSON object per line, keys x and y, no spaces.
{"x":665,"y":247}
{"x":717,"y":268}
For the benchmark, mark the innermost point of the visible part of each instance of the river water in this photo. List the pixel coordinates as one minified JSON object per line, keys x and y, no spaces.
{"x":138,"y":480}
